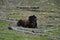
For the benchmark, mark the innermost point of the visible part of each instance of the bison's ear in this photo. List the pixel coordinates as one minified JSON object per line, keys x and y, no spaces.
{"x":33,"y":15}
{"x":29,"y":17}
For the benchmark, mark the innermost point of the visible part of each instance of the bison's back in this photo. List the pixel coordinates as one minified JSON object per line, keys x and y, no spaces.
{"x":23,"y":23}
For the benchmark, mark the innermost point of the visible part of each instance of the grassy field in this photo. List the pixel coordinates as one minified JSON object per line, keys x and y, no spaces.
{"x":6,"y":34}
{"x":43,"y":19}
{"x":9,"y":11}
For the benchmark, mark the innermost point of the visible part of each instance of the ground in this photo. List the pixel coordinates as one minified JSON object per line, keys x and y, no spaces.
{"x":43,"y":21}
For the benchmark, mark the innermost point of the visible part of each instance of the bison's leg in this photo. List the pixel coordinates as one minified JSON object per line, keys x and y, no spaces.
{"x":32,"y":25}
{"x":35,"y":25}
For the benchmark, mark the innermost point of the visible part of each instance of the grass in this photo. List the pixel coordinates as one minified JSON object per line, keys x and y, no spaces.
{"x":42,"y":17}
{"x":6,"y":34}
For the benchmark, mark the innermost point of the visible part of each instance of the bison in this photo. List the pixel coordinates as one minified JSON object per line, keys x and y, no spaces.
{"x":30,"y":23}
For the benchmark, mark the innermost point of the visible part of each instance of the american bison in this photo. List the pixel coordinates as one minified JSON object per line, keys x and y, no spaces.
{"x":30,"y":23}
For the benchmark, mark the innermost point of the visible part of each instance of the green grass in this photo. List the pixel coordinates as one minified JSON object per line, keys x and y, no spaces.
{"x":42,"y":17}
{"x":6,"y":34}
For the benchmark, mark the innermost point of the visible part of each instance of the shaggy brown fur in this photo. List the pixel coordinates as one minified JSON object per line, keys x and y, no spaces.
{"x":30,"y":23}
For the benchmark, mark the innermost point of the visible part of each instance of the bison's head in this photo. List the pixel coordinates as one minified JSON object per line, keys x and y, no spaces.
{"x":32,"y":18}
{"x":33,"y":21}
